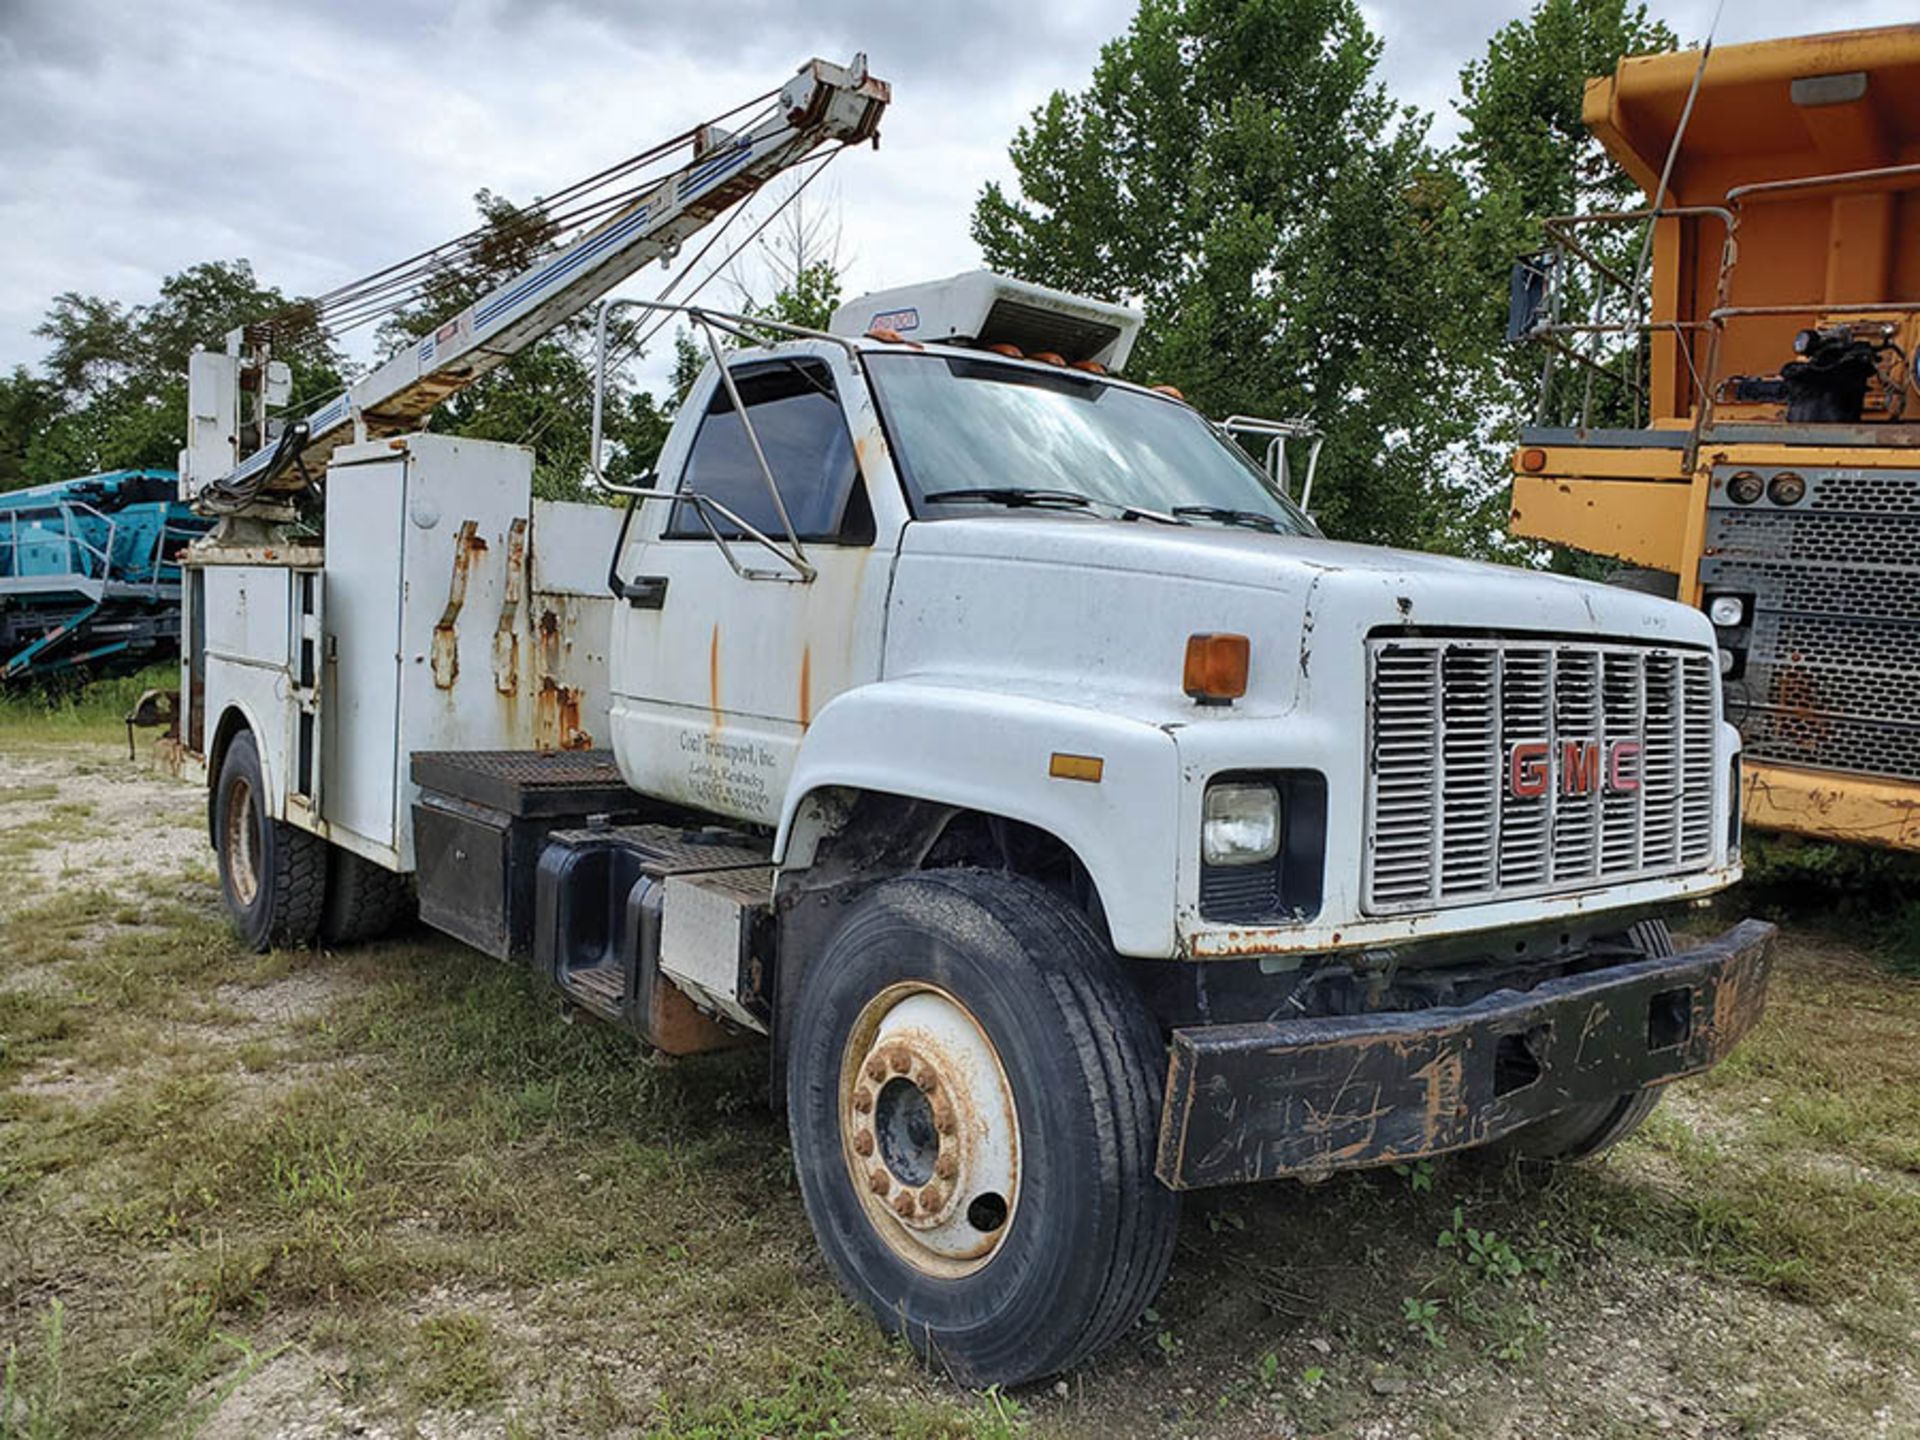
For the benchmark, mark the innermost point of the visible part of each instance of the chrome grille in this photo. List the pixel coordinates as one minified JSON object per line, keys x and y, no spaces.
{"x":1445,"y":828}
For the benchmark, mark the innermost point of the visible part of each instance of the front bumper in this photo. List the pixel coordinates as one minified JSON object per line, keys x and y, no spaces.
{"x":1308,"y":1097}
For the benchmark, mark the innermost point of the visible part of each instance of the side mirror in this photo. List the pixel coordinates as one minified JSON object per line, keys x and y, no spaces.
{"x":1527,"y":291}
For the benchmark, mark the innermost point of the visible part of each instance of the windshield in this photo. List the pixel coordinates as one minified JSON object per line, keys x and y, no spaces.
{"x":969,"y":433}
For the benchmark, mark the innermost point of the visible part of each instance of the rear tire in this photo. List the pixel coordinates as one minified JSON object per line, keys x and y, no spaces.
{"x":273,"y":876}
{"x":974,"y":1098}
{"x":364,"y":900}
{"x":1582,"y":1131}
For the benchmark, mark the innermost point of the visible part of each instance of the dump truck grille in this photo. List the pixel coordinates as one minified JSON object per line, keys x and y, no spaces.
{"x":1832,"y":648}
{"x":1500,"y":768}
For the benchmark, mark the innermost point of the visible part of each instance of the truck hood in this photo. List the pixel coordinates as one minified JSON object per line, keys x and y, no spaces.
{"x":1099,"y":610}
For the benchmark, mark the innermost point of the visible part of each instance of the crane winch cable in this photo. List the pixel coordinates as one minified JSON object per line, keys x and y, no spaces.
{"x":425,"y":274}
{"x":637,"y":345}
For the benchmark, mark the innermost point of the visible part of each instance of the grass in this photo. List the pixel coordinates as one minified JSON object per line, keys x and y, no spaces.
{"x":1871,"y":896}
{"x":96,"y":712}
{"x":392,"y":1187}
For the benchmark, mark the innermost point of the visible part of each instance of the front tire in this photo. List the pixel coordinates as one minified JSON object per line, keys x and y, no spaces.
{"x":974,"y":1096}
{"x":273,"y":876}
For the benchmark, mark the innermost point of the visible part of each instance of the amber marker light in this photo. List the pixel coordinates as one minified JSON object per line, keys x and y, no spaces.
{"x":1533,"y":461}
{"x":1216,"y":672}
{"x":1076,"y":767}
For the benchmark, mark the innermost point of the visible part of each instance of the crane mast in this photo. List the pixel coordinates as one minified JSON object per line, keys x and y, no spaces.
{"x":821,"y":103}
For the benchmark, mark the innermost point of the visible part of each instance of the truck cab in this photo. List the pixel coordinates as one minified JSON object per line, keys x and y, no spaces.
{"x":1077,"y":822}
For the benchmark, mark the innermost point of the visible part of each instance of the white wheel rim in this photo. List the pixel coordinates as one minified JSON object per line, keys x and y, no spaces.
{"x":242,"y":842}
{"x":929,"y":1130}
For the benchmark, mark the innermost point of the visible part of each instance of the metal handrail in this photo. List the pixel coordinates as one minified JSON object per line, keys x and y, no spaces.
{"x":708,"y":321}
{"x":1706,"y":378}
{"x":1275,"y":464}
{"x":97,"y":561}
{"x":1769,"y":188}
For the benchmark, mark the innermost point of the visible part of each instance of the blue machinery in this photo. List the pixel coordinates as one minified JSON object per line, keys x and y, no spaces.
{"x":90,"y":574}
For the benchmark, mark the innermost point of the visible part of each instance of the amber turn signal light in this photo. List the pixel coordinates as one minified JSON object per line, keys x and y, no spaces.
{"x":1216,"y":668}
{"x":1533,"y":461}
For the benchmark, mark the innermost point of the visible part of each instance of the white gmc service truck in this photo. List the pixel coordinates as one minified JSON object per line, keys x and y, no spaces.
{"x":995,"y":737}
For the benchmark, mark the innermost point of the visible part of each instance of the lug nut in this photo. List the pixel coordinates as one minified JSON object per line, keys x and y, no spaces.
{"x":942,"y":1115}
{"x":879,"y":1182}
{"x":903,"y":1204}
{"x":863,"y":1143}
{"x":928,"y":1082}
{"x":947,"y":1166}
{"x":900,"y":1059}
{"x":931,"y":1199}
{"x":876,"y":1069}
{"x":863,"y":1100}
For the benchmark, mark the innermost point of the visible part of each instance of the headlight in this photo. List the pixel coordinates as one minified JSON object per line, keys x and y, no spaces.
{"x":1787,"y":488}
{"x":1745,"y":488}
{"x":1726,"y":611}
{"x":1241,"y":825}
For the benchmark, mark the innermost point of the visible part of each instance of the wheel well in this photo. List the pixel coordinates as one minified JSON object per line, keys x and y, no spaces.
{"x":232,"y":723}
{"x":857,"y":838}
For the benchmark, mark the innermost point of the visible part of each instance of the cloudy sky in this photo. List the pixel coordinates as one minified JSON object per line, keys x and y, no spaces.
{"x":324,"y":140}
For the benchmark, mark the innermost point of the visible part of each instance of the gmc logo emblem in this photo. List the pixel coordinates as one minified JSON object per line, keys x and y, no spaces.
{"x":1583,"y":767}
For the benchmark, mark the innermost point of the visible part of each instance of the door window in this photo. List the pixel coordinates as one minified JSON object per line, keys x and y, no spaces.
{"x":796,"y":415}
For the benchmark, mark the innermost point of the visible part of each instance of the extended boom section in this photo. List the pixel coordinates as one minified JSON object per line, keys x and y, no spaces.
{"x":823,"y":103}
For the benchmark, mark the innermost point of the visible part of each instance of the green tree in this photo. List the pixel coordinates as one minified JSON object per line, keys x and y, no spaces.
{"x":29,"y":405}
{"x":1526,"y":156}
{"x":1523,"y":140}
{"x":114,"y":391}
{"x":1235,"y":168}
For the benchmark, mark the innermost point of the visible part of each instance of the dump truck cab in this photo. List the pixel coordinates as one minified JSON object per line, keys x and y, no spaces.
{"x":1736,"y":417}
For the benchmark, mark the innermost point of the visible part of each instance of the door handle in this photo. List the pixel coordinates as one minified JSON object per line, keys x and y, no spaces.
{"x":645,"y":592}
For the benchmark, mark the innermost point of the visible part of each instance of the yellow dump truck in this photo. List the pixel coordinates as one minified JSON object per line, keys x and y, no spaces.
{"x":1734,"y":411}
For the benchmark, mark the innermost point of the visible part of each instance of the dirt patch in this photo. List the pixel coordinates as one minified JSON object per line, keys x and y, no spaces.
{"x":278,"y":1004}
{"x":112,"y":819}
{"x":68,"y":1082}
{"x":293,"y":1396}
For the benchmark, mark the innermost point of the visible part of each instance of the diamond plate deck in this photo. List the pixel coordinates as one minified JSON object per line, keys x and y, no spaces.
{"x":527,"y":783}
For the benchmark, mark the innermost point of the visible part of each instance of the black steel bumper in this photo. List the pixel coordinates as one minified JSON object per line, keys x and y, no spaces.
{"x":1308,"y":1097}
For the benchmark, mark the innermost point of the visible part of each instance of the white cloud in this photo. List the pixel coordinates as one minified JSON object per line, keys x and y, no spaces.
{"x":326,"y":141}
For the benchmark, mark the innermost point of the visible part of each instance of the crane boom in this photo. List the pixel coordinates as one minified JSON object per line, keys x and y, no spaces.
{"x":822,"y":102}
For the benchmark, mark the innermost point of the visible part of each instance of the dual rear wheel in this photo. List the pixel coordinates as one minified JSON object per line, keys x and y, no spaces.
{"x":284,"y":886}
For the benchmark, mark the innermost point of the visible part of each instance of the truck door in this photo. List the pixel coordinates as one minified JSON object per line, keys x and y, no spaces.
{"x":726,"y":652}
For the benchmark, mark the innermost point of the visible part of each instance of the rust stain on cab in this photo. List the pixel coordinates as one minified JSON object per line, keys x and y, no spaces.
{"x":713,"y":676}
{"x":806,"y":685}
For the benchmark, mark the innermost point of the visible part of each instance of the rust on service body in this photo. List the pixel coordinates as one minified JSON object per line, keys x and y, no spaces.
{"x":446,"y":641}
{"x":506,"y":635}
{"x":556,"y":718}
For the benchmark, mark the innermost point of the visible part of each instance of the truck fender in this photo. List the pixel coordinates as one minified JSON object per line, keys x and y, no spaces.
{"x":1105,"y":786}
{"x":235,"y":716}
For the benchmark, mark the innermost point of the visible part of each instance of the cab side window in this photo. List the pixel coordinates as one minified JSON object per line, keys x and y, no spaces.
{"x":796,"y":415}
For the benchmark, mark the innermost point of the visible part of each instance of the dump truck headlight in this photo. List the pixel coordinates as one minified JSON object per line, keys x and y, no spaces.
{"x":1241,"y":825}
{"x":1726,"y":611}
